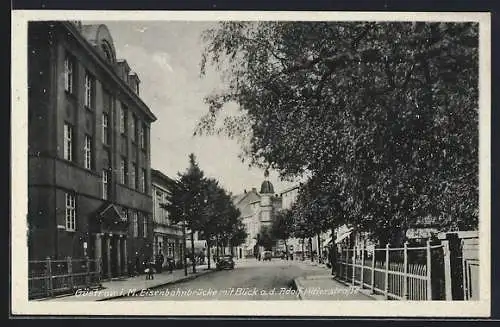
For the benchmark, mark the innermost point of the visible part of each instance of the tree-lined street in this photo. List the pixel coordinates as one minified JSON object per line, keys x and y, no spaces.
{"x":246,"y":282}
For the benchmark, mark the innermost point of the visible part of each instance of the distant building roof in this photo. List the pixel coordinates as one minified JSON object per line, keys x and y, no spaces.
{"x":157,"y":177}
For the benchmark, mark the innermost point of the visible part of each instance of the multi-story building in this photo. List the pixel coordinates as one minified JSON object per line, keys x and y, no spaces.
{"x":89,"y":180}
{"x":167,"y":235}
{"x":257,"y":210}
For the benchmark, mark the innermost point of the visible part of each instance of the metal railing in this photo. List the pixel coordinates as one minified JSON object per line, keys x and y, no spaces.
{"x":50,"y":277}
{"x":398,"y":273}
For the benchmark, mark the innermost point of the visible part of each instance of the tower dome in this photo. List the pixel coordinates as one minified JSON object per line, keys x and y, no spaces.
{"x":266,"y":187}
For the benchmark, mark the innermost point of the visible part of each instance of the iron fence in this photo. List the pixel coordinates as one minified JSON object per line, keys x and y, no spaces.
{"x":399,"y":273}
{"x":49,"y":277}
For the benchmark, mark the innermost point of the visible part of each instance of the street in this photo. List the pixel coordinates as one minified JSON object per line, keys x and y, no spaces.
{"x":250,"y":280}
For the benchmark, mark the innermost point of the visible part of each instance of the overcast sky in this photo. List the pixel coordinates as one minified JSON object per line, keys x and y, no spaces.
{"x":166,"y":56}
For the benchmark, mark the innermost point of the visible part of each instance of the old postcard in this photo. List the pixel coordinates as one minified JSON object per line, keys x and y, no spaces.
{"x":251,"y":163}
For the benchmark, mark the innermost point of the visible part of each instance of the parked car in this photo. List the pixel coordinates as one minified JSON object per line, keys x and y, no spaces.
{"x":225,"y":262}
{"x":267,"y":255}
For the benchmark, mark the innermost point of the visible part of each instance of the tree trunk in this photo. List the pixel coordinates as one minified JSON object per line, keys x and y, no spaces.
{"x":193,"y":259}
{"x":217,"y":247}
{"x":232,"y":248}
{"x":303,"y":253}
{"x":319,"y":248}
{"x":184,"y":248}
{"x":208,"y":252}
{"x":286,"y":249}
{"x":311,"y":249}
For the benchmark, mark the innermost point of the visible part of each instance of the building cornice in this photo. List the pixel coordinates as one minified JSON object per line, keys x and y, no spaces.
{"x":106,"y":67}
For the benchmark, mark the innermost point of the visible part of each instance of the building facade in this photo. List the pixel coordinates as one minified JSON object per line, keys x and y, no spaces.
{"x":89,"y":179}
{"x":257,"y":210}
{"x":167,"y":235}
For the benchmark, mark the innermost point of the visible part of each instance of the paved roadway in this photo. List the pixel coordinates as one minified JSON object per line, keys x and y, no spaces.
{"x":250,"y":280}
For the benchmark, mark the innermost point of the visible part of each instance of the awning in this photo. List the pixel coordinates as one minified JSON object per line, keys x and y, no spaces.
{"x":111,"y":217}
{"x":341,"y":237}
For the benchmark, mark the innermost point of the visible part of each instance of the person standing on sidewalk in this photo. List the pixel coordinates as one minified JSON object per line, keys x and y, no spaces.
{"x":333,"y":258}
{"x":159,"y":260}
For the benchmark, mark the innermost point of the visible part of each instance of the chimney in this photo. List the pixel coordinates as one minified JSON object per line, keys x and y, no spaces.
{"x":123,"y":69}
{"x":133,"y":82}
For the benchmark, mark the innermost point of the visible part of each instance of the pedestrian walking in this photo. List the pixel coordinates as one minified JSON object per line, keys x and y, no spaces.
{"x":159,"y":260}
{"x":137,"y":269}
{"x":170,"y":264}
{"x":149,"y":270}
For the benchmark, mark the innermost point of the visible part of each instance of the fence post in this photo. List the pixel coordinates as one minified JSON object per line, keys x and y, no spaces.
{"x":362,"y":266}
{"x":50,"y":290}
{"x":386,"y":284}
{"x":346,"y":261}
{"x":354,"y":266}
{"x":447,"y":270}
{"x":70,"y":272}
{"x":429,"y":281}
{"x":373,"y":271}
{"x":405,"y":272}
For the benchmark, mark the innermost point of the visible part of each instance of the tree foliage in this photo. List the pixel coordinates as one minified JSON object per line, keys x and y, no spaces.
{"x":265,"y":238}
{"x":205,"y":207}
{"x":283,"y":225}
{"x":384,"y":115}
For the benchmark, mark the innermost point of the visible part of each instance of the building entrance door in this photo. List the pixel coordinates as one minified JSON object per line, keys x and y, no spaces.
{"x":104,"y":258}
{"x":114,"y":255}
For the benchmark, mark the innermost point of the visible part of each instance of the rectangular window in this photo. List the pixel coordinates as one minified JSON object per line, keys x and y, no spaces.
{"x":88,"y":152}
{"x":141,"y":136}
{"x":123,"y":120}
{"x":133,"y":176}
{"x":143,"y":181}
{"x":158,"y":208}
{"x":133,"y":128}
{"x":123,"y":171}
{"x":105,"y":184}
{"x":125,"y":214}
{"x":170,"y":249}
{"x":105,"y":128}
{"x":69,"y":68}
{"x":89,"y":90}
{"x":144,"y":136}
{"x":70,"y":212}
{"x":144,"y":226}
{"x":135,"y":224}
{"x":68,"y":142}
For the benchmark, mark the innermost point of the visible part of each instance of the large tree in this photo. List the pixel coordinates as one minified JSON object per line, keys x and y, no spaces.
{"x":187,"y":201}
{"x":265,"y":238}
{"x":222,"y":223}
{"x":283,"y":226}
{"x":387,"y":112}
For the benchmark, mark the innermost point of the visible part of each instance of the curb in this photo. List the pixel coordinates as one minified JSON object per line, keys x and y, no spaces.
{"x":366,"y":292}
{"x":297,"y":286}
{"x":180,"y":280}
{"x":100,"y":287}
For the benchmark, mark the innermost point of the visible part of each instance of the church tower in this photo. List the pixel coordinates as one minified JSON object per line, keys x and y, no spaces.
{"x":266,"y":205}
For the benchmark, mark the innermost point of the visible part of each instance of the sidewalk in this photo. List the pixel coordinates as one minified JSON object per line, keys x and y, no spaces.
{"x":325,"y":287}
{"x":132,"y":285}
